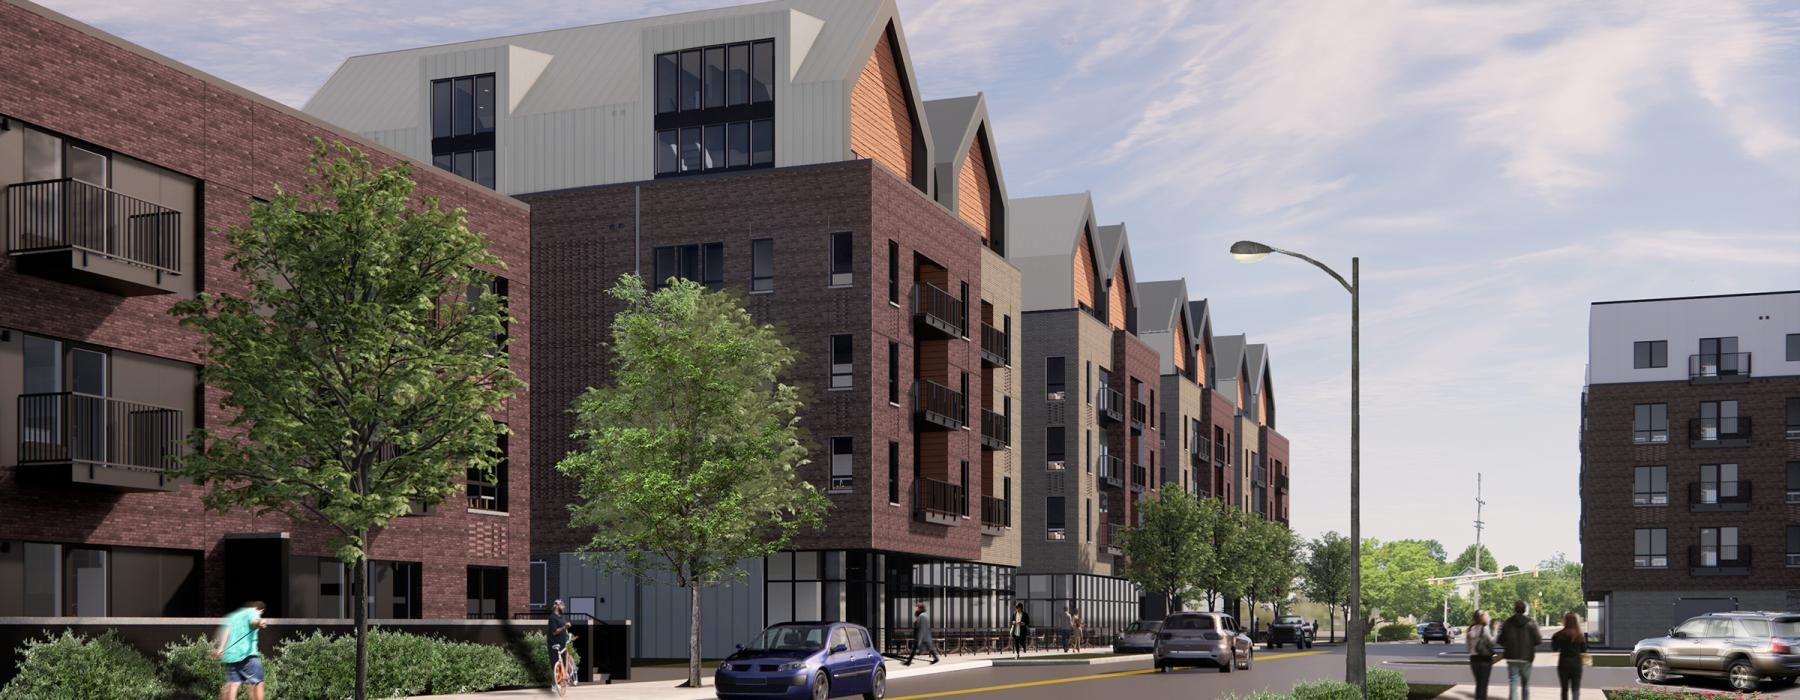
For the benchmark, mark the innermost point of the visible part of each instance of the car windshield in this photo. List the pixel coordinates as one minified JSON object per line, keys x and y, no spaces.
{"x":1189,"y":622}
{"x":790,"y":638}
{"x":1290,"y":620}
{"x":1142,"y":626}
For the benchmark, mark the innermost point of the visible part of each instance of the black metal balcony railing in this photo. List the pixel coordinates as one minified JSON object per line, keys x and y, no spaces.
{"x":1112,"y":404}
{"x":72,"y":428}
{"x":1719,"y":432}
{"x":70,"y":214}
{"x":1111,"y":540}
{"x":1718,"y":366}
{"x":996,"y":430}
{"x":1719,"y":495}
{"x":1139,"y":477}
{"x":1200,"y":449}
{"x":1112,"y":470}
{"x":1719,"y":560}
{"x":938,"y":498}
{"x":1139,"y":414}
{"x":939,"y":405}
{"x":996,"y":513}
{"x":996,"y":346}
{"x":938,"y":309}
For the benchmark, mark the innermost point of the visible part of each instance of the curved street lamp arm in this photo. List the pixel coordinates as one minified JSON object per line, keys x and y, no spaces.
{"x":1320,"y":265}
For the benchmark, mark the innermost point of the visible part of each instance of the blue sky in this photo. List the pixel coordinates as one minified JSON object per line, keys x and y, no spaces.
{"x":1497,"y":166}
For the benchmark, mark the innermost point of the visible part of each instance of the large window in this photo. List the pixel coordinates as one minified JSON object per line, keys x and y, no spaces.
{"x":1651,"y":549}
{"x":1646,"y":354}
{"x":715,"y":108}
{"x":1793,"y":482}
{"x":1054,"y":523}
{"x":1718,"y":419}
{"x":488,"y":491}
{"x":1651,"y":486}
{"x":843,"y":463}
{"x":487,"y":593}
{"x":1793,"y":419}
{"x":1718,"y":482}
{"x":1054,"y":387}
{"x":842,"y":367}
{"x":762,"y":265}
{"x":699,"y":262}
{"x":1718,"y":546}
{"x":1650,"y":423}
{"x":540,"y":583}
{"x":1793,"y":347}
{"x":841,"y":257}
{"x":1793,"y":545}
{"x":462,"y":126}
{"x":1053,"y":448}
{"x":1719,"y":357}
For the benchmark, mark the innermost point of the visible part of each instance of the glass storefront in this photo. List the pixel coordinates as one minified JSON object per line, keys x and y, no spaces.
{"x":962,"y":597}
{"x":1107,"y":604}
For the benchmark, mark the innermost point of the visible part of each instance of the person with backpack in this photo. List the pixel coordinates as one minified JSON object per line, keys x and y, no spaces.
{"x":1520,"y":637}
{"x":1481,"y":652}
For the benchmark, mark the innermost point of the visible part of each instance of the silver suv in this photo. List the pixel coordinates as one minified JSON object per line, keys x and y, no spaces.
{"x":1741,"y":647}
{"x":1203,"y":639}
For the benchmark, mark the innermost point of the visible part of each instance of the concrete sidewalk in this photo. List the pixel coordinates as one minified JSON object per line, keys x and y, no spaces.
{"x":668,"y":690}
{"x":1497,"y":691}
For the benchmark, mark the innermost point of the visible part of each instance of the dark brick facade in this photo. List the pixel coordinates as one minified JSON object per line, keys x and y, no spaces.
{"x":1275,"y":455}
{"x":1135,"y":362}
{"x":69,"y":78}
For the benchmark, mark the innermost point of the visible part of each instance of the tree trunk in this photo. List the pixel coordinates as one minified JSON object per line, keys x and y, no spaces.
{"x":1331,"y":618}
{"x":359,"y":582}
{"x":693,"y":635}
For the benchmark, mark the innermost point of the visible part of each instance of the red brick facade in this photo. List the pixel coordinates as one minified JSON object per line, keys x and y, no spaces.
{"x":1137,"y":363}
{"x":1221,"y":419}
{"x":68,"y":78}
{"x":1275,"y":455}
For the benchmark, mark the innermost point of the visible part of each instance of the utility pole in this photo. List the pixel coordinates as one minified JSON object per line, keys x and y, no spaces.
{"x":1479,"y":526}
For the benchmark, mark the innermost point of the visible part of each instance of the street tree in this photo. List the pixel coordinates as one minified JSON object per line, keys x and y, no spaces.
{"x":1394,"y":578}
{"x":1225,"y":577}
{"x":1327,"y":574}
{"x":689,"y":456}
{"x":1170,"y":552}
{"x":1466,"y":561}
{"x":358,"y":368}
{"x":1272,"y":564}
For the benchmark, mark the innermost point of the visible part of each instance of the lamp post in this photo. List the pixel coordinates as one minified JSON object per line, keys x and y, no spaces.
{"x":1354,"y":665}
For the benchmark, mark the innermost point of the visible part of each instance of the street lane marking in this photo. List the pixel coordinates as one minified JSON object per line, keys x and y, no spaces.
{"x":1075,"y":679}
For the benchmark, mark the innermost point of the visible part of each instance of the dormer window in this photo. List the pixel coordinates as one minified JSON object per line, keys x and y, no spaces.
{"x":715,"y":108}
{"x":462,"y":126}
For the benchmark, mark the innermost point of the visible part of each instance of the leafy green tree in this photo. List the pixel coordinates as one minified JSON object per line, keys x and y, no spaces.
{"x":1226,"y":577}
{"x":1467,"y":560}
{"x":357,"y":370}
{"x":1327,"y":574}
{"x":1170,"y":552}
{"x":1394,"y":580}
{"x":1273,"y":563}
{"x":689,"y":456}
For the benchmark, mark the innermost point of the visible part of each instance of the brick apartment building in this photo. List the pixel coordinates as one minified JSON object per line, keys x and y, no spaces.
{"x":781,"y":150}
{"x":121,"y":171}
{"x":1690,"y":460}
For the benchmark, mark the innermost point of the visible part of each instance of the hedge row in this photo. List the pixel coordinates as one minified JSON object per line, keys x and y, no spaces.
{"x":1384,"y":684}
{"x":313,"y":667}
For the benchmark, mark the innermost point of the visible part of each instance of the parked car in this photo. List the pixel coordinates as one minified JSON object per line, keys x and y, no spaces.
{"x":1137,"y":638}
{"x":1203,"y":639}
{"x":1434,"y":630}
{"x":1744,"y":648}
{"x":1291,"y":629}
{"x":815,"y":660}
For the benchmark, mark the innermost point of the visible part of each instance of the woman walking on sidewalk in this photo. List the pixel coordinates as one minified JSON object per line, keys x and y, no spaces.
{"x":1570,"y":645}
{"x":1481,"y":652}
{"x":1021,"y":629}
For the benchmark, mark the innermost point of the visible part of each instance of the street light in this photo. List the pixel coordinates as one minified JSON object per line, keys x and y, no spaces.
{"x":1249,"y":252}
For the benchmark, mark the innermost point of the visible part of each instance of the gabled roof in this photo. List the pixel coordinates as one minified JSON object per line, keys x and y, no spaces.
{"x":957,"y":121}
{"x":1045,"y":235}
{"x":1115,"y":254}
{"x":1230,"y":360}
{"x":1162,"y":305}
{"x":1201,"y":312}
{"x":1256,"y":363}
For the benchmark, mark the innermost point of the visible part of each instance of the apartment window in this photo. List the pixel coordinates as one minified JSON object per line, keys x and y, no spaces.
{"x":762,"y":265}
{"x":487,"y":593}
{"x":894,"y":272}
{"x":1793,"y":347}
{"x":840,"y":260}
{"x":1719,"y":357}
{"x":1646,"y":354}
{"x":893,"y":472}
{"x":1650,"y":486}
{"x":1718,"y":545}
{"x":843,"y":459}
{"x":841,"y":363}
{"x":715,"y":108}
{"x":1053,"y":448}
{"x":1088,"y":517}
{"x":1088,"y":376}
{"x":462,"y":126}
{"x":893,"y":373}
{"x":1053,"y":379}
{"x":1054,"y":518}
{"x":1650,"y":423}
{"x":1718,"y":419}
{"x":1651,"y":549}
{"x":540,"y":583}
{"x":1793,"y":482}
{"x":1793,"y":419}
{"x":487,"y":493}
{"x":1793,"y":544}
{"x":1718,"y":481}
{"x":703,"y":263}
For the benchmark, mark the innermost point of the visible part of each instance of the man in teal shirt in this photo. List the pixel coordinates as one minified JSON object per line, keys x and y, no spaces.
{"x":237,"y":649}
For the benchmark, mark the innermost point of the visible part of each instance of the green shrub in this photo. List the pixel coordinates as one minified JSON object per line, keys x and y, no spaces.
{"x":462,"y":667}
{"x":400,"y":664}
{"x":1395,"y":632}
{"x":1386,"y":684}
{"x":1326,"y":690}
{"x":1258,"y":695}
{"x":189,"y":668}
{"x":315,"y":666}
{"x":69,"y":666}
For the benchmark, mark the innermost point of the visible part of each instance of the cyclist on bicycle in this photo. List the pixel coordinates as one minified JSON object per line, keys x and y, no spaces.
{"x":557,"y":636}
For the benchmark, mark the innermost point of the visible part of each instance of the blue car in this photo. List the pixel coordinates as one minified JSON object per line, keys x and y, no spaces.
{"x":816,"y":660}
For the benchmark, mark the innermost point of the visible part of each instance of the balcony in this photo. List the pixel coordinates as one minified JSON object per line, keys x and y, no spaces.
{"x":937,"y":502}
{"x":1719,"y":367}
{"x":1139,"y":478}
{"x":996,"y":516}
{"x":1200,"y":450}
{"x":996,"y":430}
{"x":1112,"y":405}
{"x":87,"y":235}
{"x":1112,"y":470}
{"x":70,"y":438}
{"x":1719,"y":432}
{"x":1719,"y":561}
{"x":938,"y":310}
{"x":1719,"y":496}
{"x":1111,"y":542}
{"x":1139,"y":414}
{"x":996,"y":346}
{"x":939,"y":407}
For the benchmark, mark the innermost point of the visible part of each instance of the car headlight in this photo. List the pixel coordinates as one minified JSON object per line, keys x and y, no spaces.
{"x":791,"y":666}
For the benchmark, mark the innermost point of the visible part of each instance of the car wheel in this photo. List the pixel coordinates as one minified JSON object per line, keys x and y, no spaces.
{"x":1229,"y":664}
{"x":1652,"y":669}
{"x":1250,"y":659}
{"x":877,"y":685}
{"x":1160,"y":668}
{"x":821,"y":686}
{"x":1742,"y":675}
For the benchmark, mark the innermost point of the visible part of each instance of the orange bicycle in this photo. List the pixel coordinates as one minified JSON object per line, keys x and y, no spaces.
{"x":562,"y":675}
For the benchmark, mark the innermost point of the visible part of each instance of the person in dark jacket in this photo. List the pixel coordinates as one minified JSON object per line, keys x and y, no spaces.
{"x":1021,"y":629}
{"x":1481,"y":652}
{"x":1570,"y":645}
{"x":921,"y":630}
{"x":1520,"y":636}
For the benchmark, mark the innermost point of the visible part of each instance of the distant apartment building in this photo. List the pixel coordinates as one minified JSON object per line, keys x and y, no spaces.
{"x":1255,"y":472}
{"x":782,"y":150}
{"x":1690,"y":460}
{"x":122,"y":170}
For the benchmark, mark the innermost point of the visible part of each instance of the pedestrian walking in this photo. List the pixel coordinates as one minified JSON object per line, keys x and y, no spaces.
{"x":1065,"y":627}
{"x":236,"y":648}
{"x":1080,"y":627}
{"x":1481,"y":652}
{"x":1021,"y":629}
{"x":1570,"y":645}
{"x":921,"y":629}
{"x":1520,"y":637}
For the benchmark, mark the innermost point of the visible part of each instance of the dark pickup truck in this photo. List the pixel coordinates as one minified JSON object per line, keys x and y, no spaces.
{"x":1290,"y":629}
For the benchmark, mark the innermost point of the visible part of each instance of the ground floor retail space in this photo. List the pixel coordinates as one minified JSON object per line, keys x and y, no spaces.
{"x":1623,"y":618}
